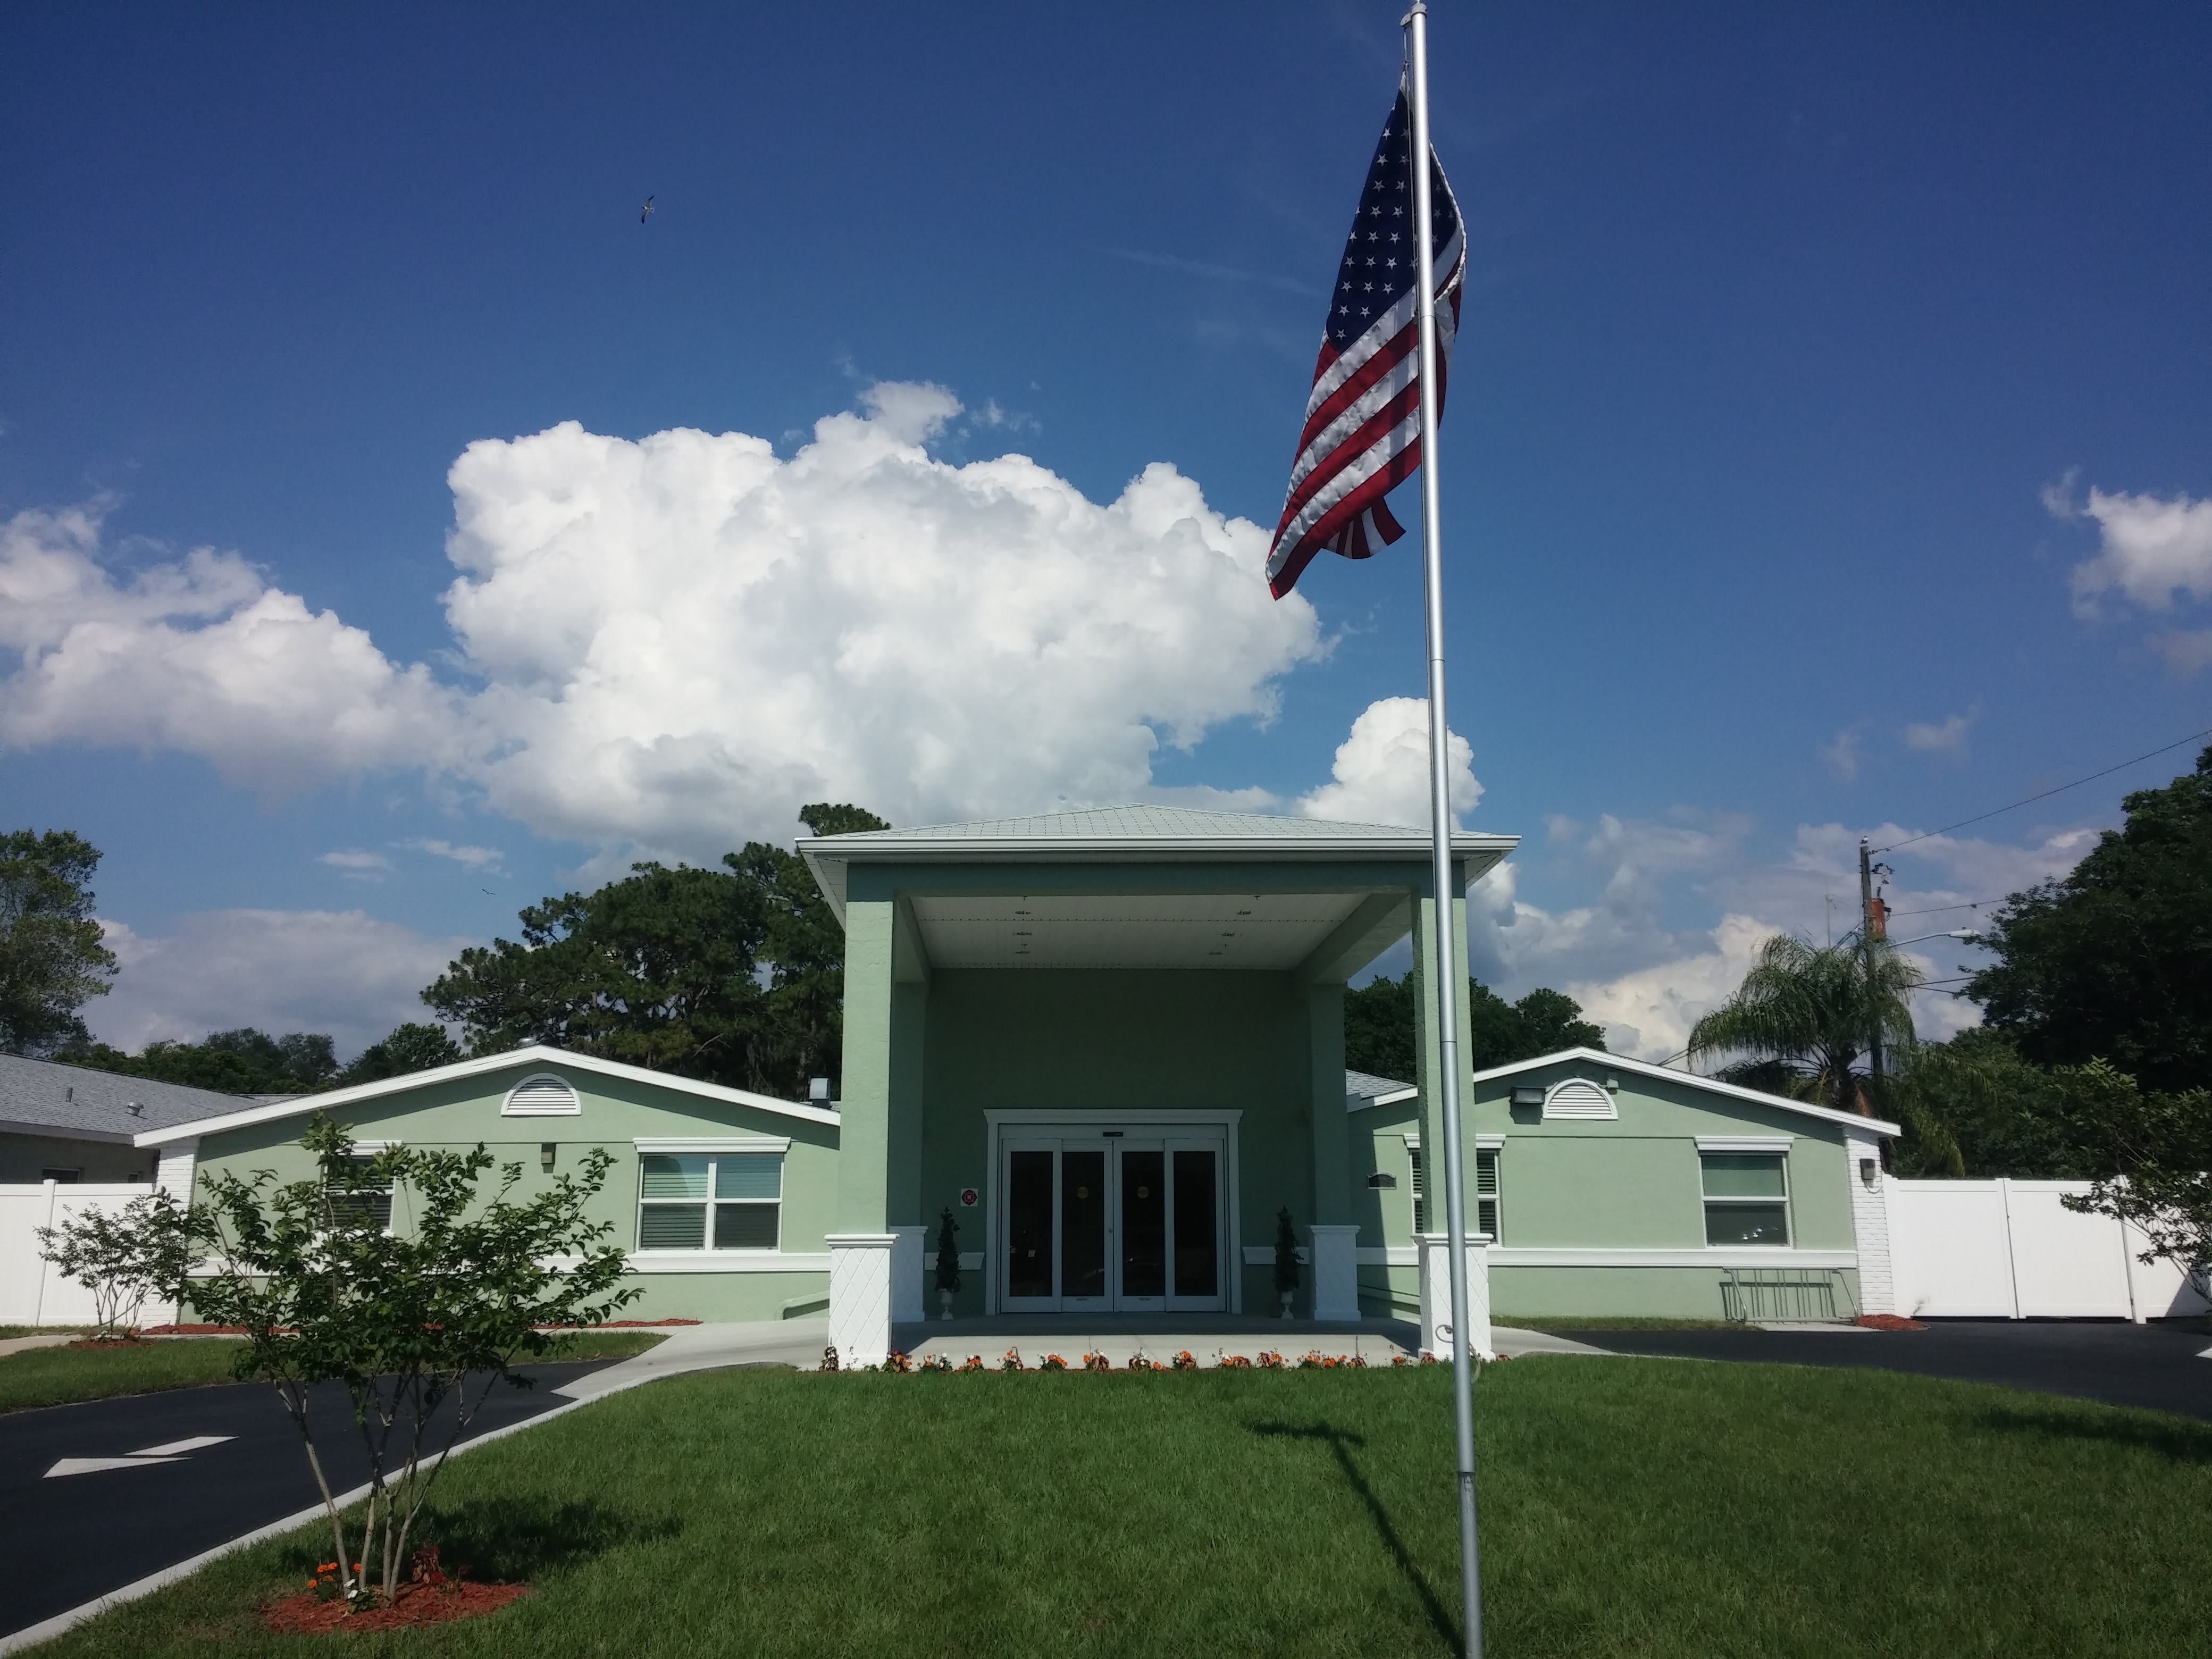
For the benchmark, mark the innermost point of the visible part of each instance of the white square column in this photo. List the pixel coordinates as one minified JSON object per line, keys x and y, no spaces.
{"x":1870,"y":1221}
{"x":1437,"y":1333}
{"x":860,"y":1296}
{"x":906,"y":1273}
{"x":1335,"y":1272}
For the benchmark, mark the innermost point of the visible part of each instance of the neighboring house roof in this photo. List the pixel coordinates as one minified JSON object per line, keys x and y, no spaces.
{"x":1371,"y":1090}
{"x":1118,"y":834}
{"x":536,"y":1054}
{"x":1711,"y":1084}
{"x":77,"y":1102}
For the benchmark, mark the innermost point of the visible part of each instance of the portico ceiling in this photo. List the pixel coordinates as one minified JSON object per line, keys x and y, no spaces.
{"x":1277,"y":930}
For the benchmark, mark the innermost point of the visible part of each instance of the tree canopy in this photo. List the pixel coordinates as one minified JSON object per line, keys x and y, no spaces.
{"x":1807,"y":1011}
{"x":241,"y":1063}
{"x":733,"y":975}
{"x":1378,"y":1027}
{"x":2113,"y":961}
{"x":416,"y":1046}
{"x":52,"y":961}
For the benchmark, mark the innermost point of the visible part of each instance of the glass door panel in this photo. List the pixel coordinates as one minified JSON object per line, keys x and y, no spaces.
{"x":1197,"y":1228}
{"x":1144,"y":1223}
{"x":1029,"y":1223}
{"x":1082,"y":1225}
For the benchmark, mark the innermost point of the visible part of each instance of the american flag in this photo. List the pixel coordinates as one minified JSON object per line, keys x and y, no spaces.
{"x":1362,"y":431}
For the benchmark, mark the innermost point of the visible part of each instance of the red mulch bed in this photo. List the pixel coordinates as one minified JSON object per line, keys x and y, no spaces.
{"x":1890,"y":1322}
{"x":418,"y":1604}
{"x":240,"y":1330}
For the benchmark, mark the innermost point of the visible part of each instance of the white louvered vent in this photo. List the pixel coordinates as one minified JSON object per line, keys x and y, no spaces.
{"x":542,"y":1095}
{"x":1579,"y":1098}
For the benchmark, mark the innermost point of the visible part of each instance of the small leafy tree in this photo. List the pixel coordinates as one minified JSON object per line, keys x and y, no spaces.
{"x":1286,"y":1257}
{"x":2173,"y":1208}
{"x":948,"y":1254}
{"x":408,"y":1322}
{"x":125,"y":1256}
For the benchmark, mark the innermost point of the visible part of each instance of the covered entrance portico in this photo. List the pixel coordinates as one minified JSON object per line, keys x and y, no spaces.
{"x":1110,"y":1045}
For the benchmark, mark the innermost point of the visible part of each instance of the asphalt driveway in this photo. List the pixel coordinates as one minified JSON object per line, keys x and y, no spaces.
{"x":227,"y":1460}
{"x":2153,"y":1366}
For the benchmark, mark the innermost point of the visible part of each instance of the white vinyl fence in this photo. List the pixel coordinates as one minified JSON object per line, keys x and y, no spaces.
{"x":31,"y":1291}
{"x":2009,"y":1250}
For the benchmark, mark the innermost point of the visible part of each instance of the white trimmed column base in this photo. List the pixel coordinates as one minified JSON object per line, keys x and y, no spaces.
{"x":1437,"y":1335}
{"x":907,"y":1274}
{"x":1335,"y":1272}
{"x":860,"y":1296}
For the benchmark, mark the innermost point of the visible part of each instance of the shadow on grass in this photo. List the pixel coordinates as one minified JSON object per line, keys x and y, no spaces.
{"x":2178,"y":1442}
{"x":1340,"y":1444}
{"x":506,"y":1540}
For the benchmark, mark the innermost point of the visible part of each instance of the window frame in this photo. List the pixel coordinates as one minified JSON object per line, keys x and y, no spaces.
{"x":1709,"y":1202}
{"x":713,"y":1205}
{"x":380,"y":1197}
{"x":1489,"y":1153}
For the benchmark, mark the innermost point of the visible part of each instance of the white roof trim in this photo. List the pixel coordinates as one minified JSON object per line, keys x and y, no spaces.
{"x":68,"y":1132}
{"x":1761,"y":1144}
{"x":536,"y":1054}
{"x":1361,"y":1103}
{"x":1712,"y":1085}
{"x":828,"y":856}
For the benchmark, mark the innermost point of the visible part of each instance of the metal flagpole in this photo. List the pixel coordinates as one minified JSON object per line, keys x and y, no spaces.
{"x":1444,"y":955}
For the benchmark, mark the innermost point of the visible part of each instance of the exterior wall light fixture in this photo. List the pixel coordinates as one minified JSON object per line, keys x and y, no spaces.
{"x":1529,"y":1096}
{"x":545,"y":1153}
{"x":1382,"y":1178}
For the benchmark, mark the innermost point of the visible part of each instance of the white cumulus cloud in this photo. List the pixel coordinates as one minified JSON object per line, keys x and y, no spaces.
{"x":1381,"y":773}
{"x":676,"y":641}
{"x":343,"y":972}
{"x":1944,"y":736}
{"x":354,"y":862}
{"x":2151,"y":549}
{"x":474,"y":858}
{"x":199,"y":655}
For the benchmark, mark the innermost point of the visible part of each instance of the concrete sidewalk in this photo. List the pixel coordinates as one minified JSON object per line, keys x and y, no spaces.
{"x":796,"y":1342}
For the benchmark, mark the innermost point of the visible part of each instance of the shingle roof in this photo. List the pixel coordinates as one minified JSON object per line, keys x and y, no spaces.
{"x":1369,"y":1086}
{"x":76,"y":1100}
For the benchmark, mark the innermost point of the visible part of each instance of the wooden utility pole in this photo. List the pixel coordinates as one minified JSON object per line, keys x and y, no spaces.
{"x":1874,"y":924}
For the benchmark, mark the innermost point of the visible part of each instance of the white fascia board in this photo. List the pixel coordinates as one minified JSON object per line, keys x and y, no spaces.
{"x":1711,"y":1084}
{"x":1392,"y":1099}
{"x":828,"y":856}
{"x":534,"y":1054}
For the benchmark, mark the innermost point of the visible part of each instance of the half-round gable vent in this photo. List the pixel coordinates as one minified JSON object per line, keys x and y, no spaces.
{"x":542,"y":1095}
{"x":1579,"y":1097}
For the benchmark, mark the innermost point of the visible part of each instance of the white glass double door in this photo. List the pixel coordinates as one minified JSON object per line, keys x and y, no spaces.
{"x":1108,"y":1223}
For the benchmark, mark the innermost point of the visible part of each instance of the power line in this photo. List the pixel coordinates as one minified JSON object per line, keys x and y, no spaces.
{"x":2031,"y":799}
{"x":1937,"y":910}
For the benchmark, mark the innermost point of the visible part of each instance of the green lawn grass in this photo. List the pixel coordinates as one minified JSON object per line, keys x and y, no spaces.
{"x":57,"y":1376}
{"x":1630,"y":1507}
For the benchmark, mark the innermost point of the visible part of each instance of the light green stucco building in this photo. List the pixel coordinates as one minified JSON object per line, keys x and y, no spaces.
{"x":1110,"y":1045}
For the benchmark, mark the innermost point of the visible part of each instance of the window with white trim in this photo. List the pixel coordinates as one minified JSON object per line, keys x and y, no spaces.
{"x":361,"y":1198}
{"x":1486,"y":1191}
{"x":710,"y":1200}
{"x":1747,"y":1198}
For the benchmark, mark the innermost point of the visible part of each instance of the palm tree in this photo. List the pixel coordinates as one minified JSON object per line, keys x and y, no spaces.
{"x":1809,"y":1010}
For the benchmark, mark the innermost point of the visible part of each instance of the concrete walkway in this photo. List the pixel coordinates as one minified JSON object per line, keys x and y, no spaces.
{"x":797,"y":1342}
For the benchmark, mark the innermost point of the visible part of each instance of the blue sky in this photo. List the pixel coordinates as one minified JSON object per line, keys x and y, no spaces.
{"x":1828,"y":453}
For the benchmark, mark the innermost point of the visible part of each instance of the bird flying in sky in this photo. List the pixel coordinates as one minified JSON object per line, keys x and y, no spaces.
{"x":646,"y":212}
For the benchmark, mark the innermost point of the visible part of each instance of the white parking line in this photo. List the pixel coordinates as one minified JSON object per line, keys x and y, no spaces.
{"x":172,"y":1452}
